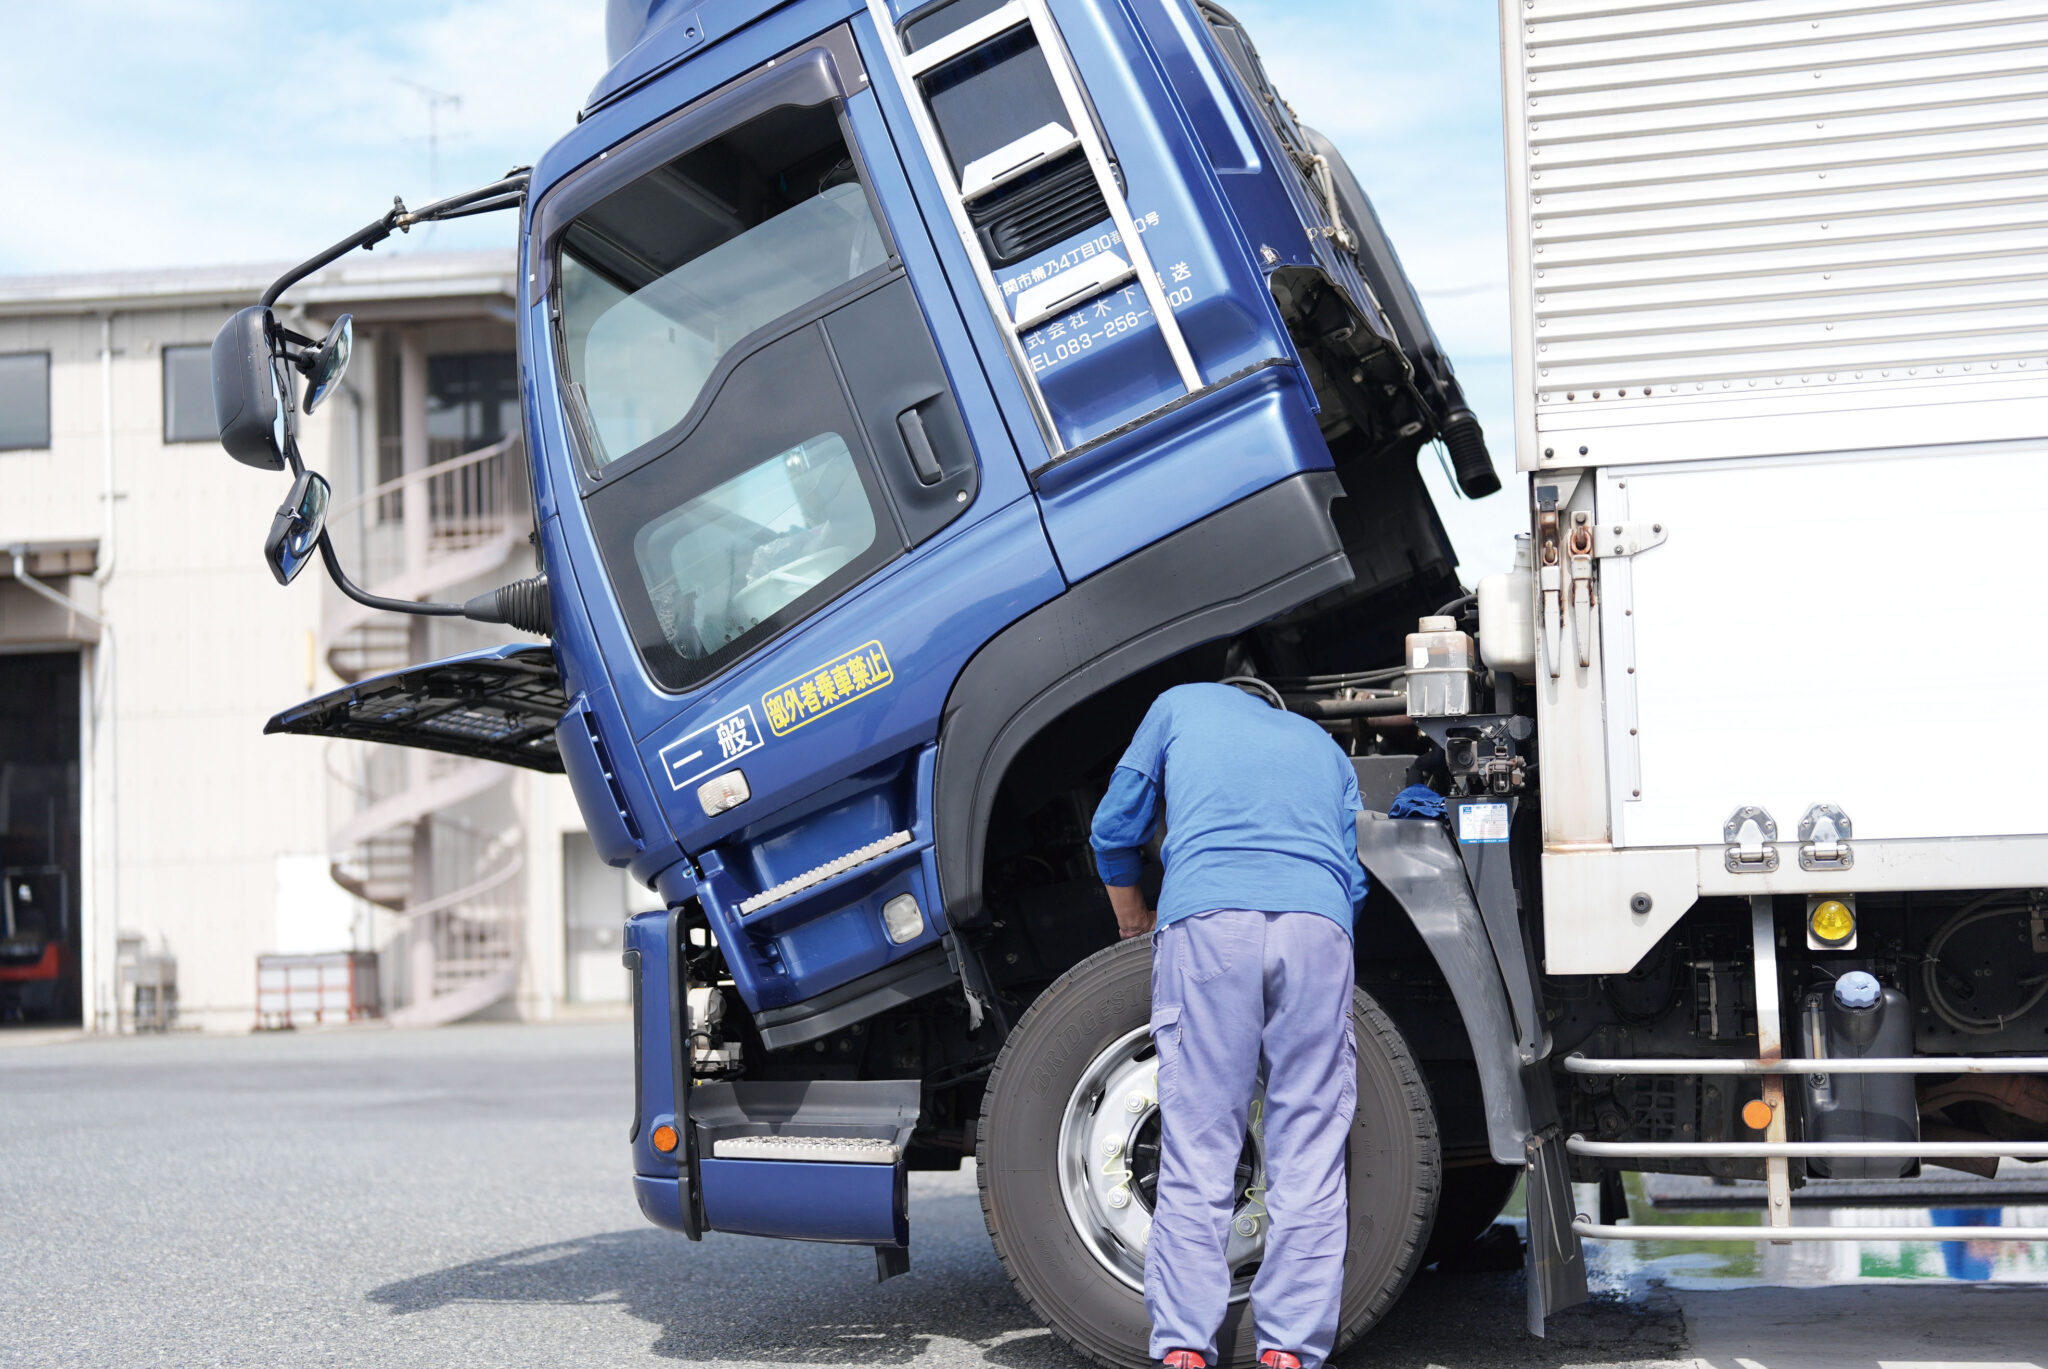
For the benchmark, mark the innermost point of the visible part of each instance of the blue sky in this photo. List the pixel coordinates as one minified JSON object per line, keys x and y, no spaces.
{"x":143,"y":134}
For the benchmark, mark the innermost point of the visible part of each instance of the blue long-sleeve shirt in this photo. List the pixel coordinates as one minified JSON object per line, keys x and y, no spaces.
{"x":1260,"y":806}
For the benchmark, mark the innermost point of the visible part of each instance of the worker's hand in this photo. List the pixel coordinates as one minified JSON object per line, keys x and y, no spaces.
{"x":1133,"y":918}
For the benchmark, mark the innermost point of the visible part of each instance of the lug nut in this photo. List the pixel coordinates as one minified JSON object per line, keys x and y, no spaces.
{"x":1134,"y":1102}
{"x":1119,"y":1197}
{"x":1111,"y":1147}
{"x":1247,"y":1226}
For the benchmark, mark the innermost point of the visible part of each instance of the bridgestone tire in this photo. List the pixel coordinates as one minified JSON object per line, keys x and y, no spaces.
{"x":1393,"y":1160}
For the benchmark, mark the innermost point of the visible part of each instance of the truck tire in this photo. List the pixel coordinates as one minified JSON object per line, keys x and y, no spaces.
{"x":1063,"y":1248}
{"x":1472,"y":1196}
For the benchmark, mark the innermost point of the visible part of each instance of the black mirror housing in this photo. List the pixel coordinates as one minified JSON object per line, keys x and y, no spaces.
{"x":246,"y":401}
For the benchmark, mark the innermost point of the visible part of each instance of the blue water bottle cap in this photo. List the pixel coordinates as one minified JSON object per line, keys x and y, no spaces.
{"x":1858,"y":989}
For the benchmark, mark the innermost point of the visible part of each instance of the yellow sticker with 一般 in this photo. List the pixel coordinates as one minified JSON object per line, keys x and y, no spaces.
{"x":835,"y":684}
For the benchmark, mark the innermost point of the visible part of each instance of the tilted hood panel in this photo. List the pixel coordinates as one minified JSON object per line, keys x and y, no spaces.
{"x":499,"y":704}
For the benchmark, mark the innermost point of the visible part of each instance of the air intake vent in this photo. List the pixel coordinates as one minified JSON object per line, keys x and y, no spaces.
{"x":1037,"y":211}
{"x":611,"y":779}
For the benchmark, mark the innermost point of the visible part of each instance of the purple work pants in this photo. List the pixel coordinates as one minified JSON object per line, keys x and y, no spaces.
{"x":1240,"y":997}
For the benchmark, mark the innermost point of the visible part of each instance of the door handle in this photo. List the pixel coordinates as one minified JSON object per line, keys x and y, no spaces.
{"x":923,"y":460}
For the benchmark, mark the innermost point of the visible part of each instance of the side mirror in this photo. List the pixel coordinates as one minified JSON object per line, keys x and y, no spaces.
{"x":247,"y":402}
{"x":330,"y":360}
{"x":295,"y":532}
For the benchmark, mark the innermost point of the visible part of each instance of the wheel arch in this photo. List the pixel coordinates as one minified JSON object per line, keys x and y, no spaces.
{"x":1240,"y":566}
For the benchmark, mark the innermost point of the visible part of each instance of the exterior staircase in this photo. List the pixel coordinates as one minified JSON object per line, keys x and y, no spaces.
{"x":434,"y":840}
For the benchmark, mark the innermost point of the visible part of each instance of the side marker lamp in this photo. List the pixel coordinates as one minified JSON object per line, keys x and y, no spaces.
{"x":1831,"y":925}
{"x":902,"y":919}
{"x":665,"y":1139}
{"x":1756,"y":1115}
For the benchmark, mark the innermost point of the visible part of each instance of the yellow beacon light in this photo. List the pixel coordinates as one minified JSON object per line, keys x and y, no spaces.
{"x":1831,"y":922}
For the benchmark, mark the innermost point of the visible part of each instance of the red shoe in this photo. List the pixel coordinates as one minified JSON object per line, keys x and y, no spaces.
{"x":1184,"y":1359}
{"x":1280,"y":1359}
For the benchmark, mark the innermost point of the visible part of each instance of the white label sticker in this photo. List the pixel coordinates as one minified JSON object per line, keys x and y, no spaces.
{"x":1422,"y":658}
{"x":1482,"y":823}
{"x":698,"y":753}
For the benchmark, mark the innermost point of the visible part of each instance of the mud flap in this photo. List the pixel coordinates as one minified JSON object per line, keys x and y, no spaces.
{"x":1556,"y":1260}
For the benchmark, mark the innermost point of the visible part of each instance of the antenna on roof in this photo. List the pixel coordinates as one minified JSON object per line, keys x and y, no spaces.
{"x":435,"y":99}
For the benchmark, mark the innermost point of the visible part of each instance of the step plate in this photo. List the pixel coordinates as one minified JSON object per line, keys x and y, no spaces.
{"x":856,"y":1150}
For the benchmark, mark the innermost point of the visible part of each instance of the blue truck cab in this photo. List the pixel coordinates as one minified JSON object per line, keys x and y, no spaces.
{"x":913,"y":391}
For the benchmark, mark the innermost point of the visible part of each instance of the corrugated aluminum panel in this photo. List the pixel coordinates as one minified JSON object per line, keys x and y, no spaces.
{"x":1750,"y":227}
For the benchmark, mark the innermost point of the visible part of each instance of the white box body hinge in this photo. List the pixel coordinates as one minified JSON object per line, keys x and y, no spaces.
{"x":1749,"y":832}
{"x":1824,"y":839}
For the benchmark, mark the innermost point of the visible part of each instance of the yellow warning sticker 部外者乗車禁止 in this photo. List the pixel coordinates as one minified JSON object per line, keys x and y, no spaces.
{"x":815,"y":693}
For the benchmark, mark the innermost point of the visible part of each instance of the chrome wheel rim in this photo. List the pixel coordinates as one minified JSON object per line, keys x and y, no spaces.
{"x":1108,"y":1164}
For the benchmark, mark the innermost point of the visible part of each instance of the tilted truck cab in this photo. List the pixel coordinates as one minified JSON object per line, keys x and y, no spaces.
{"x":914,"y":391}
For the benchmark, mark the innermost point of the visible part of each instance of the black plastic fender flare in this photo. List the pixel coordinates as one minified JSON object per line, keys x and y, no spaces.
{"x":1416,"y":861}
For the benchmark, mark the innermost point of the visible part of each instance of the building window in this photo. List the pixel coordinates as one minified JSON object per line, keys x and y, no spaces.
{"x":472,"y":402}
{"x":188,"y":395}
{"x":24,"y":400}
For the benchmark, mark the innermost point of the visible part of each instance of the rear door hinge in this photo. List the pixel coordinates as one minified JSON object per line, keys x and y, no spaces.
{"x":1749,"y":833}
{"x":1626,"y":539}
{"x":1824,"y":839}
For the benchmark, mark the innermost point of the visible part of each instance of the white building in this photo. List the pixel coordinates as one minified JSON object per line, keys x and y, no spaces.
{"x":136,"y":785}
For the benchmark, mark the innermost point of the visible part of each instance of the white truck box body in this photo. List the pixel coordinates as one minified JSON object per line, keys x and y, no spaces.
{"x":1779,"y":282}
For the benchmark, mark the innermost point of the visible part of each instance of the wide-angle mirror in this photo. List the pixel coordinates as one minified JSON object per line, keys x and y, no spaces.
{"x":330,"y":360}
{"x":295,"y":532}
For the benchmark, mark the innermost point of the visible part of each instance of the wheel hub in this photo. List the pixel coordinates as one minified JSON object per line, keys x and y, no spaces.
{"x":1109,"y":1166}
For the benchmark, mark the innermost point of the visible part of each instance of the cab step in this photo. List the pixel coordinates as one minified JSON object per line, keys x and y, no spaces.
{"x":844,"y":1150}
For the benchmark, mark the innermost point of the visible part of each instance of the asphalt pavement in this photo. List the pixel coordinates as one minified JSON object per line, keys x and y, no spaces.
{"x":376,"y":1197}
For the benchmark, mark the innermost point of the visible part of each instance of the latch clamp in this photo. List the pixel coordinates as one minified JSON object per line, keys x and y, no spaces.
{"x":1579,"y":555}
{"x":1824,"y":839}
{"x":1749,"y":832}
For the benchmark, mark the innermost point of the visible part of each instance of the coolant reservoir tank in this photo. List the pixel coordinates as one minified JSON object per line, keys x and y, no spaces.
{"x":1507,"y":616}
{"x":1441,"y":660}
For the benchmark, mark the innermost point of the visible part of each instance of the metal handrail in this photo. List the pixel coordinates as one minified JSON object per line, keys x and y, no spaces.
{"x":1777,"y":1234}
{"x":1764,"y":1150}
{"x":1916,"y":1064}
{"x":515,"y":862}
{"x":424,"y":473}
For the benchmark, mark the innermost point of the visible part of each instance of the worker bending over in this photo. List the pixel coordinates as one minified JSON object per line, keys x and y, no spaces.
{"x":1251,"y":979}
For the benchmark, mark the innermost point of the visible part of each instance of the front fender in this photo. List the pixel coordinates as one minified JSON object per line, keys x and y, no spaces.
{"x":1417,"y":863}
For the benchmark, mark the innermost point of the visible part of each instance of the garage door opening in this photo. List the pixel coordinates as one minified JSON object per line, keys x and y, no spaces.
{"x":39,"y":837}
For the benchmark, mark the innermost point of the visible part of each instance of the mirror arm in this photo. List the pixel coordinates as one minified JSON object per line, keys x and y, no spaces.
{"x":522,"y":604}
{"x":368,"y":236}
{"x":369,"y":600}
{"x":506,"y":193}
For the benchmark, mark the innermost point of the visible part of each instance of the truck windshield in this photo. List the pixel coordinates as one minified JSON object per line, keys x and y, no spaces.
{"x":664,"y":276}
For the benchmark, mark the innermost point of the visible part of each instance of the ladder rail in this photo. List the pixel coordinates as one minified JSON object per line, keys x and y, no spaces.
{"x":906,"y":68}
{"x":1066,"y":79}
{"x":956,"y":208}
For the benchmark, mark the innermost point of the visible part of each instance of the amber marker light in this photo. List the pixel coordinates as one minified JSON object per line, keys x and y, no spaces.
{"x":665,"y":1139}
{"x":1831,"y":923}
{"x":1756,"y":1115}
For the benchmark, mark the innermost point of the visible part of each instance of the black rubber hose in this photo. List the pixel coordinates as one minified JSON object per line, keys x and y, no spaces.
{"x":1469,"y":459}
{"x":522,"y":604}
{"x":1456,"y":606}
{"x":1332,"y":709}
